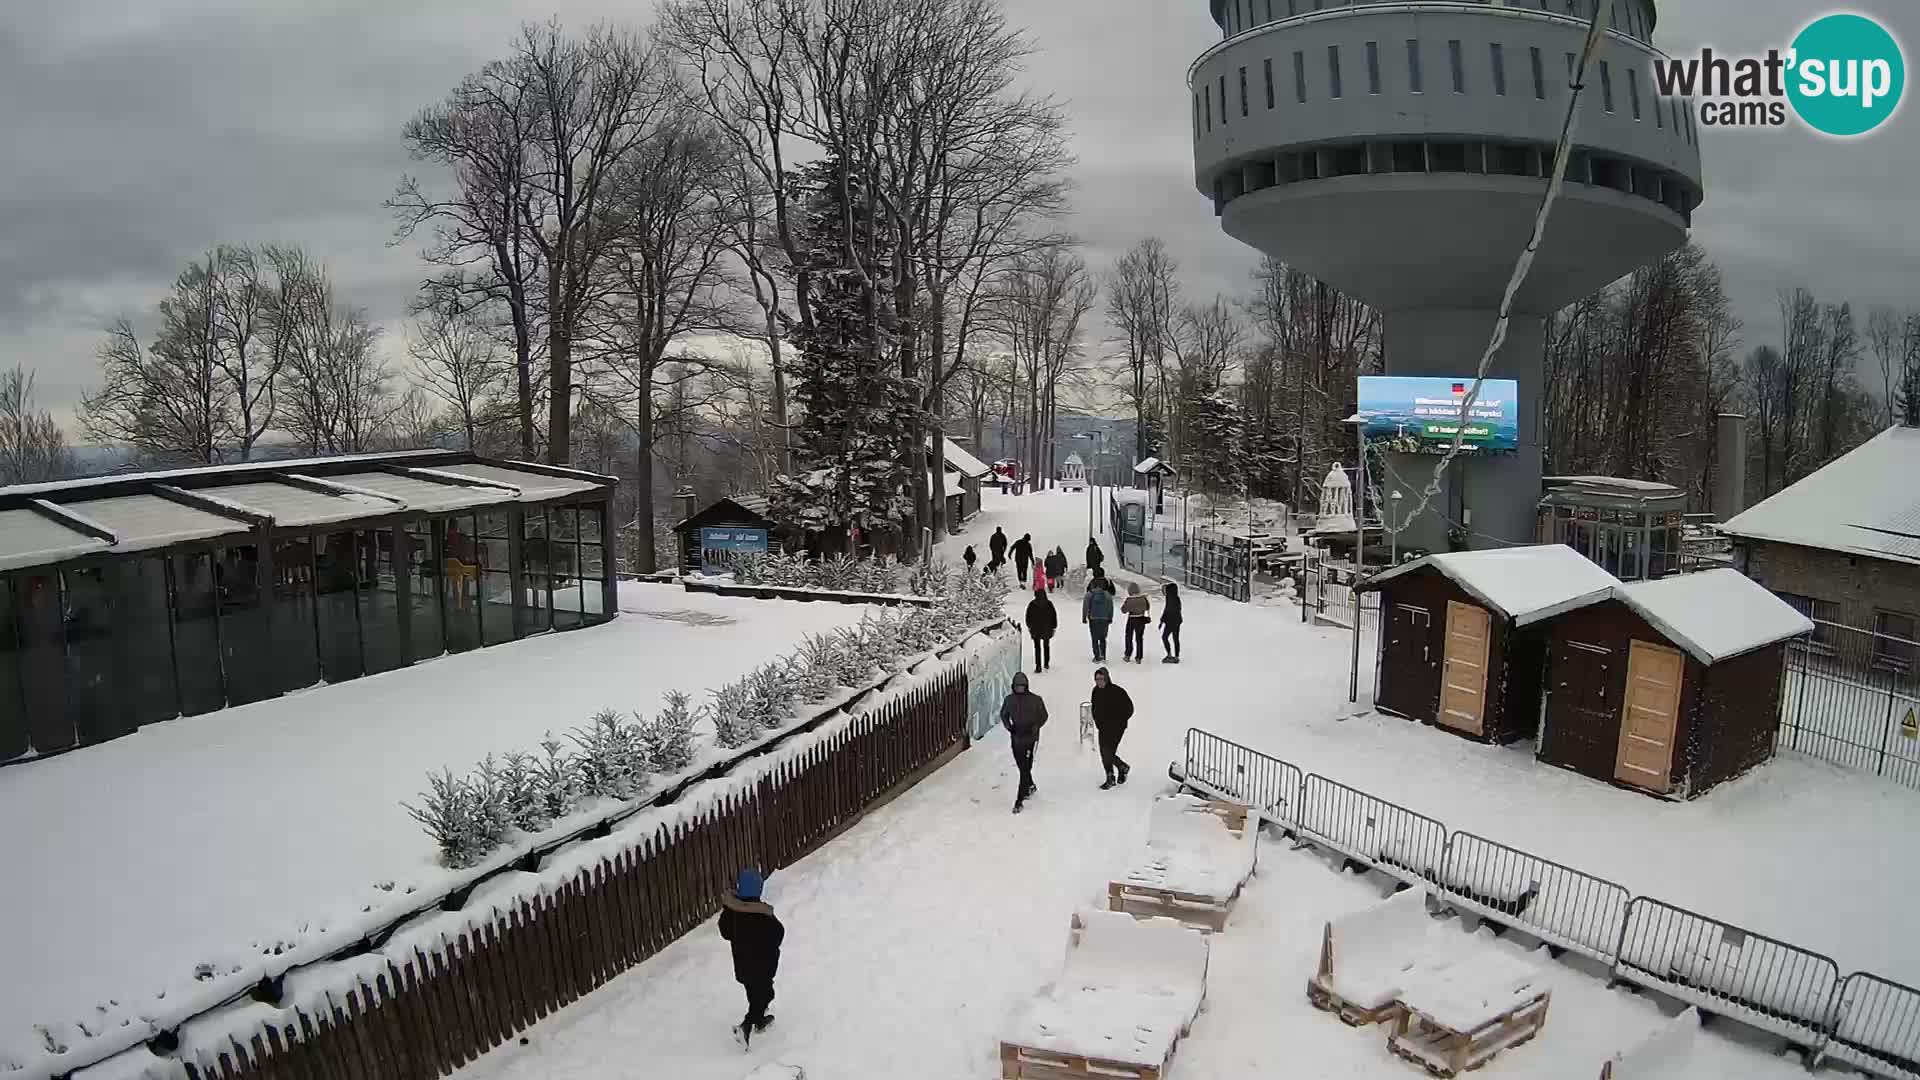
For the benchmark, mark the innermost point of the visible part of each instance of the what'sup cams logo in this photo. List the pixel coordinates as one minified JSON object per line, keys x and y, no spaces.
{"x":1843,"y":76}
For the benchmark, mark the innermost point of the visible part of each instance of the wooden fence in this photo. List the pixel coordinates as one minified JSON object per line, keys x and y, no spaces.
{"x":434,"y":1010}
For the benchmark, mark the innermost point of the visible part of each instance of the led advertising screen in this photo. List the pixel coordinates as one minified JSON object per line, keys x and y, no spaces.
{"x":1421,"y":415}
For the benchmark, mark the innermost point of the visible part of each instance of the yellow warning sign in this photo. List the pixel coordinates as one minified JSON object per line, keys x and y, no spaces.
{"x":1910,"y":725}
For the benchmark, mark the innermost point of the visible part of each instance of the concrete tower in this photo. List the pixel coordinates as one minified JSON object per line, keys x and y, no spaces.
{"x":1398,"y":149}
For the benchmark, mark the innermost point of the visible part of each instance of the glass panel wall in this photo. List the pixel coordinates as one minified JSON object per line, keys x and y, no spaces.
{"x":563,"y":524}
{"x":246,"y":644}
{"x":595,"y":566}
{"x":296,"y":646}
{"x":42,"y":653}
{"x":425,"y":570}
{"x":91,"y":659}
{"x":14,"y":739}
{"x":461,"y":565}
{"x":379,"y":588}
{"x":537,"y":557}
{"x":495,"y":587}
{"x":196,"y":634}
{"x":335,"y":581}
{"x":145,"y":631}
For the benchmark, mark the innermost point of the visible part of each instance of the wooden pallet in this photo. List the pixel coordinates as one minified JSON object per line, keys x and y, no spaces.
{"x":1207,"y":914}
{"x":1320,"y":993}
{"x":1031,"y":1063}
{"x":1447,"y":1053}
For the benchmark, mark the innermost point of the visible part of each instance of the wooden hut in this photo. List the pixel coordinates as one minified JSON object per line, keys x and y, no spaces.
{"x":1462,"y":643}
{"x":1669,"y":686}
{"x":722,"y":531}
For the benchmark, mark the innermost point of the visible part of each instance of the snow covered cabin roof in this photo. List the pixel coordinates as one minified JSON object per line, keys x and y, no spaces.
{"x":958,"y":460}
{"x":1152,"y":465}
{"x":1525,"y":584}
{"x":1855,"y":504}
{"x":1714,"y":615}
{"x":528,"y":486}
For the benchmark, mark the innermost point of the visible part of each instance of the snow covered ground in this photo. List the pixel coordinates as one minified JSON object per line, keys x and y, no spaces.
{"x":913,"y":938}
{"x":213,"y":839}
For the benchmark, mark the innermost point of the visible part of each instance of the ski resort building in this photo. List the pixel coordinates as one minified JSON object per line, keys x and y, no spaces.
{"x":1669,"y":686}
{"x":131,"y":599}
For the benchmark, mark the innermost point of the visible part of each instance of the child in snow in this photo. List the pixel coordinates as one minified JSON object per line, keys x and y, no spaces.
{"x":1039,"y":578}
{"x":1023,"y":714}
{"x":969,"y":557}
{"x":1170,"y":625}
{"x":750,"y":926}
{"x":1042,"y":621}
{"x":1139,"y":612}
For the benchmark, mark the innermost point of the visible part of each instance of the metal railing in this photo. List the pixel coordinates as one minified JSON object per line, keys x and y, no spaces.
{"x":1848,"y":697}
{"x":1864,"y":1020}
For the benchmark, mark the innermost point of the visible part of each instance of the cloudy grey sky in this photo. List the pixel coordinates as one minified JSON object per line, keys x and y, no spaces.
{"x":138,"y":133}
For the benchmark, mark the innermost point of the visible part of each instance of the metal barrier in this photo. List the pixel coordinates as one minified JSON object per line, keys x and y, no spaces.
{"x":1724,"y":969}
{"x":1875,"y":1026}
{"x":1847,"y":697}
{"x":1393,"y":839}
{"x":1235,"y":772}
{"x":1558,"y":904}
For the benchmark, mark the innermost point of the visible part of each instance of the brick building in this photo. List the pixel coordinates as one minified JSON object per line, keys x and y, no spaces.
{"x":1843,"y":546}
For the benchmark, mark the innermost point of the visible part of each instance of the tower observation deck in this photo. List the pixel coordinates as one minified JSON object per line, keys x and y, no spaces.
{"x":1398,"y":150}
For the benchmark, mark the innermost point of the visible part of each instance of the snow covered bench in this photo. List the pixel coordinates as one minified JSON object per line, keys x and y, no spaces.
{"x":1459,"y":1017}
{"x":1665,"y":1054}
{"x":1200,"y":852}
{"x":1128,"y":991}
{"x":1369,"y":956}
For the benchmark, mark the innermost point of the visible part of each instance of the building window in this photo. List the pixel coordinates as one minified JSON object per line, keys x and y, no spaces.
{"x":1300,"y":76}
{"x":1206,"y":92}
{"x":1633,"y":91}
{"x":1266,"y":70}
{"x":1240,"y":13}
{"x":1539,"y":76}
{"x":196,"y":634}
{"x":1223,"y":99}
{"x":1499,"y":69}
{"x":1243,"y":91}
{"x":461,"y":565}
{"x":1459,"y":67}
{"x":1606,"y":85}
{"x":1373,"y":67}
{"x":1333,"y":69}
{"x":495,"y":591}
{"x":1894,"y":643}
{"x":1414,"y":82}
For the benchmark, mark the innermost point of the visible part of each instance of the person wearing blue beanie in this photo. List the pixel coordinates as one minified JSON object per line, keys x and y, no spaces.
{"x":750,"y":926}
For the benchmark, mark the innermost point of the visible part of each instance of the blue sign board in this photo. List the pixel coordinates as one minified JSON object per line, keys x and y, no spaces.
{"x":1422,"y":415}
{"x":720,"y":545}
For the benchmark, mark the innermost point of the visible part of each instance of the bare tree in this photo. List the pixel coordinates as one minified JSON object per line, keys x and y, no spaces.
{"x":1040,"y":306}
{"x":335,"y":388}
{"x":33,"y":450}
{"x":459,"y":364}
{"x":168,"y":400}
{"x":1142,"y":295}
{"x":1886,"y":339}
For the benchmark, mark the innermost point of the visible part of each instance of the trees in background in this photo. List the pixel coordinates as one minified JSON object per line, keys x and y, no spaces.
{"x":1039,"y":308}
{"x":33,"y":450}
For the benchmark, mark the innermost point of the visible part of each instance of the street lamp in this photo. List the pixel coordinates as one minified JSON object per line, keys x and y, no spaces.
{"x":1359,"y":423}
{"x":1393,"y":531}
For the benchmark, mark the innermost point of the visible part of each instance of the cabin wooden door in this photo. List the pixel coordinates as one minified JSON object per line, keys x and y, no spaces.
{"x":1463,"y":674}
{"x":1650,"y":717}
{"x":1582,"y":728}
{"x":1410,"y":679}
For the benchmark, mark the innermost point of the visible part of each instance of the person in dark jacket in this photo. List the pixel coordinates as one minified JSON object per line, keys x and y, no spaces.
{"x":1095,"y":557}
{"x":1096,"y":610}
{"x":750,"y":926}
{"x":1170,"y":625}
{"x":1023,"y":714}
{"x":1056,"y":569}
{"x":1022,"y":556}
{"x":997,"y":547}
{"x":1042,"y":621}
{"x":1112,"y":708}
{"x":969,"y":557}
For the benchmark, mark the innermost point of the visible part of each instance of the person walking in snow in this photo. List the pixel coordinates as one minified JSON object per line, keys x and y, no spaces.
{"x":1022,"y":555}
{"x":1056,"y":568}
{"x":750,"y":926}
{"x":1095,"y":557}
{"x":1023,"y":714}
{"x":1139,"y":612}
{"x":997,"y":547}
{"x":1111,"y":708}
{"x":1040,"y":582}
{"x":1042,"y":621}
{"x":1096,"y":610}
{"x":969,"y":557}
{"x":1170,"y":625}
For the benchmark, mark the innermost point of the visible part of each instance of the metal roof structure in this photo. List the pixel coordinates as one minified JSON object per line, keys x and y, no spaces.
{"x":1861,"y":503}
{"x":42,"y":524}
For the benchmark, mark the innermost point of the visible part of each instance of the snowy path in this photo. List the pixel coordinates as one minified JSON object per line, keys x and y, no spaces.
{"x":912,"y":937}
{"x":211,"y":838}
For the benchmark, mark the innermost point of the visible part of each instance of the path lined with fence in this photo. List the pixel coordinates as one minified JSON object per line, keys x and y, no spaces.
{"x":1863,"y":1020}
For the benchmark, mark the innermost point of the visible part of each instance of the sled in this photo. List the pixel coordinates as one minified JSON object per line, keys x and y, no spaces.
{"x":1200,"y":853}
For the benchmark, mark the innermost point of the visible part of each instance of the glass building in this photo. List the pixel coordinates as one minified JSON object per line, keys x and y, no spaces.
{"x":1633,"y":528}
{"x":131,"y":599}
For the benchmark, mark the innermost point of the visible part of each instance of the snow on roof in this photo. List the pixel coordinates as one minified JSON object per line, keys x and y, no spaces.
{"x":144,"y":522}
{"x":1852,"y":504}
{"x":1715,"y":614}
{"x":239,"y":468}
{"x":1075,"y":459}
{"x":30,"y":538}
{"x":1525,"y":584}
{"x":958,"y":460}
{"x":422,"y":493}
{"x":532,"y":486}
{"x":1152,"y":464}
{"x":291,"y":507}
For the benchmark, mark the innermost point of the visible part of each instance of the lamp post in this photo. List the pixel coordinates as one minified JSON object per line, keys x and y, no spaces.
{"x":1393,"y":531}
{"x":1359,"y":423}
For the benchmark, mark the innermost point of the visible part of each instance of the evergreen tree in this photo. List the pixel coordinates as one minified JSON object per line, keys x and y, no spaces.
{"x":851,"y":461}
{"x":1216,"y":458}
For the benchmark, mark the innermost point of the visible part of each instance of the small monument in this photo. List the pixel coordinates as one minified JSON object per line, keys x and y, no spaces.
{"x":1336,"y":503}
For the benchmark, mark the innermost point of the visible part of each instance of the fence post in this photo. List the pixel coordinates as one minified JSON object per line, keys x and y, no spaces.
{"x":1886,"y":730}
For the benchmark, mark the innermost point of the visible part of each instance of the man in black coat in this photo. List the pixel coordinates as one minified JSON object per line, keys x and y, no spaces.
{"x":1112,"y":708}
{"x":1095,"y":557}
{"x":1056,"y":569}
{"x":997,"y":547}
{"x":1023,"y":714}
{"x":1022,"y":556}
{"x":749,"y":924}
{"x":1042,"y":620}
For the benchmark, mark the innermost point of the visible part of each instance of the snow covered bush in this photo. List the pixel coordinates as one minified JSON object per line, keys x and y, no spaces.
{"x":526,"y":805}
{"x":836,"y":572}
{"x":769,"y":696}
{"x":932,"y":577}
{"x":879,"y":575}
{"x":492,"y":804}
{"x":668,"y":737}
{"x":556,"y":779}
{"x":727,"y":709}
{"x":612,"y":762}
{"x":449,"y":813}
